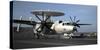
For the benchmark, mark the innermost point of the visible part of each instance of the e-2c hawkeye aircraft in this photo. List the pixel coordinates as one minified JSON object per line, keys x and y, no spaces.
{"x":44,"y":24}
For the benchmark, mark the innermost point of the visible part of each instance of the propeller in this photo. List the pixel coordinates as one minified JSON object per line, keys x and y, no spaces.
{"x":43,"y":23}
{"x":75,"y":22}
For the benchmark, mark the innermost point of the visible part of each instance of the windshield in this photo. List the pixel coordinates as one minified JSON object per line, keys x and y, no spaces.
{"x":66,"y":24}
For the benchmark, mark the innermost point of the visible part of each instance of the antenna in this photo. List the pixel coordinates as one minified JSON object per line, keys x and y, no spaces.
{"x":18,"y":26}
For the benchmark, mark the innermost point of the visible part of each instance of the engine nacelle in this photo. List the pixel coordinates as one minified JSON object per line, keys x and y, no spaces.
{"x":60,"y":28}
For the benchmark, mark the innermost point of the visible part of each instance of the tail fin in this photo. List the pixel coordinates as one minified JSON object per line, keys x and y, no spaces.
{"x":18,"y":27}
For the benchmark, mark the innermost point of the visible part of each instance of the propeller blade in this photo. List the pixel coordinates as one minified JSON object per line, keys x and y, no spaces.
{"x":74,"y":18}
{"x":78,"y":26}
{"x":47,"y":18}
{"x":42,"y":28}
{"x":38,"y":28}
{"x":38,"y":18}
{"x":77,"y":21}
{"x":48,"y":27}
{"x":71,"y":19}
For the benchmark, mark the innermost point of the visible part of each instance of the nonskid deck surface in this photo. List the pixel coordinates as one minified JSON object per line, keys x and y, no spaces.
{"x":24,"y":39}
{"x":38,"y":43}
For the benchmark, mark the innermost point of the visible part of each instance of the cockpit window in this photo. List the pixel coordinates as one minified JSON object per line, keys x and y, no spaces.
{"x":60,"y":21}
{"x":66,"y":24}
{"x":63,"y":24}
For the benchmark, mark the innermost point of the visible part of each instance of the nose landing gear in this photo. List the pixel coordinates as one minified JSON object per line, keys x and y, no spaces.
{"x":68,"y":36}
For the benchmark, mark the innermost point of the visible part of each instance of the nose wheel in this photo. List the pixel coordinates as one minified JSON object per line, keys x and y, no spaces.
{"x":68,"y":36}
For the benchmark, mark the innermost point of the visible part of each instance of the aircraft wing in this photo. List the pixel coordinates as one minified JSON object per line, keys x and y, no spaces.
{"x":24,"y":22}
{"x":84,"y":24}
{"x":30,"y":22}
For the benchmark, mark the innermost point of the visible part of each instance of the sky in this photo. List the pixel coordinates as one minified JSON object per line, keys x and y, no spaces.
{"x":87,"y":14}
